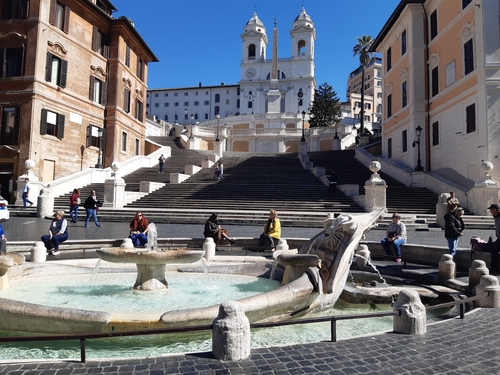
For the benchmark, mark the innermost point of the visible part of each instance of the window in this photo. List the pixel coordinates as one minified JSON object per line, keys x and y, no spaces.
{"x":206,"y":116}
{"x":227,"y":101}
{"x":470,"y":118}
{"x":389,"y":59}
{"x":238,"y":103}
{"x":301,"y":48}
{"x":217,"y":110}
{"x":157,"y":105}
{"x":11,"y":60}
{"x":56,"y":70}
{"x":186,"y":94}
{"x":368,"y":106}
{"x":176,"y":117}
{"x":100,"y":43}
{"x":379,"y":108}
{"x":465,"y":3}
{"x":127,"y":56}
{"x":140,"y":69}
{"x":186,"y":104}
{"x":379,"y":95}
{"x":434,"y":24}
{"x":435,"y":81}
{"x":176,"y":104}
{"x":52,"y":124}
{"x":14,"y":9}
{"x":156,"y":95}
{"x":9,"y":126}
{"x":217,"y":98}
{"x":389,"y":105}
{"x":98,"y":91}
{"x":124,"y":142}
{"x":250,"y":104}
{"x":404,"y":140}
{"x":126,"y":100}
{"x":165,"y":104}
{"x":404,"y":94}
{"x":139,"y":110}
{"x":176,"y":94}
{"x":435,"y":133}
{"x":357,"y":104}
{"x":206,"y":102}
{"x":468,"y":57}
{"x":166,"y":94}
{"x":379,"y":83}
{"x":403,"y":42}
{"x":166,"y":117}
{"x":137,"y":143}
{"x":450,"y":73}
{"x":196,"y":103}
{"x":93,"y":136}
{"x":59,"y":15}
{"x":389,"y":148}
{"x":196,"y":116}
{"x":251,"y":51}
{"x":367,"y":118}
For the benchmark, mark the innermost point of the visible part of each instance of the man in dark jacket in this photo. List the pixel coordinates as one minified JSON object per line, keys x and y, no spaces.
{"x":453,"y":228}
{"x":495,"y":212}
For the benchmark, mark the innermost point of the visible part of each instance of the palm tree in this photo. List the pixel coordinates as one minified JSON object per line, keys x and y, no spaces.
{"x":362,"y":48}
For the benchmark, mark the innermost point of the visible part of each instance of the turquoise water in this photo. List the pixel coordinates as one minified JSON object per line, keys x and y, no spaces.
{"x":185,"y":290}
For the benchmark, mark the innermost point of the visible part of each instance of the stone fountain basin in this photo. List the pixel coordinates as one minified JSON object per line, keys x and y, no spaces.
{"x":159,"y":256}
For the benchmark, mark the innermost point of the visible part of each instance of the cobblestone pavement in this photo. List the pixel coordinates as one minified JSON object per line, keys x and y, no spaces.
{"x":469,"y":346}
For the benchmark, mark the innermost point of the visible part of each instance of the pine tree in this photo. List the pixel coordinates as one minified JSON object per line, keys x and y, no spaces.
{"x":325,"y":110}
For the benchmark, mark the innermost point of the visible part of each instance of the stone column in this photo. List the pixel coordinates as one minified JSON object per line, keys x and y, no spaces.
{"x":114,"y":189}
{"x":375,"y":190}
{"x":477,"y":270}
{"x":231,"y":333}
{"x":488,"y":283}
{"x":412,"y":320}
{"x":447,"y":268}
{"x":485,"y":191}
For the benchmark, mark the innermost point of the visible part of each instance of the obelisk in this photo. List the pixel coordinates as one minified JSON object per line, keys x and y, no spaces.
{"x":274,"y":95}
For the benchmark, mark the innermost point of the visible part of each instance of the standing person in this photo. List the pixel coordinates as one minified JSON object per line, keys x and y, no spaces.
{"x":214,"y":230}
{"x":58,"y":233}
{"x":161,"y":161}
{"x":74,"y":204}
{"x":395,"y":236}
{"x":3,"y":241}
{"x":453,"y":228}
{"x":495,"y":212}
{"x":91,"y":206}
{"x":272,"y":231}
{"x":139,"y":227}
{"x":26,"y":193}
{"x":452,"y":202}
{"x":332,"y":184}
{"x":220,"y":170}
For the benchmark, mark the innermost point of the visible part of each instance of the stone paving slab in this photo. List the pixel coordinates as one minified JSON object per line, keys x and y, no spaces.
{"x":452,"y":347}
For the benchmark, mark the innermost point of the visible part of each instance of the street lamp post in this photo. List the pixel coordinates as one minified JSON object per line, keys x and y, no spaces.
{"x":217,"y":116}
{"x":192,"y":125}
{"x":303,"y":139}
{"x":185,"y":118}
{"x":100,"y":132}
{"x":418,"y":131}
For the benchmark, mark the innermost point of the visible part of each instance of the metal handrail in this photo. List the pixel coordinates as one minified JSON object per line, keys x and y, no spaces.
{"x":332,"y":319}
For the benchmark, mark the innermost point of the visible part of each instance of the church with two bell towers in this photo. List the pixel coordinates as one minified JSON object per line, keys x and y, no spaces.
{"x":262,"y":79}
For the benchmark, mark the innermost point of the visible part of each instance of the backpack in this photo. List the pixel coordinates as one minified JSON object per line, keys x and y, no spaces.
{"x":478,"y":244}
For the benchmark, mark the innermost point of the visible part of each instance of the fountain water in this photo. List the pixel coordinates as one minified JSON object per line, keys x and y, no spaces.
{"x":372,"y":266}
{"x":152,"y":237}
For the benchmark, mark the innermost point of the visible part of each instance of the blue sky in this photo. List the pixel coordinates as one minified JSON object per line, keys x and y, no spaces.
{"x":199,"y":40}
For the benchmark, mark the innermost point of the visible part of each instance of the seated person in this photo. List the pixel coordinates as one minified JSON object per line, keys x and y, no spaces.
{"x":395,"y":236}
{"x":215,"y":231}
{"x":139,"y":227}
{"x":272,"y":231}
{"x":58,"y":233}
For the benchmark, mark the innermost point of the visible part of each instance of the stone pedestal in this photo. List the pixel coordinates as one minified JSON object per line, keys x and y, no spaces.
{"x":303,"y":148}
{"x":218,"y":148}
{"x":477,"y":270}
{"x":209,"y":247}
{"x":413,"y":319}
{"x":38,"y":252}
{"x":282,"y":245}
{"x":441,"y":208}
{"x":45,"y":205}
{"x":485,"y":191}
{"x":336,"y":144}
{"x":114,"y":192}
{"x":375,"y":190}
{"x":231,"y":333}
{"x":488,"y":283}
{"x":447,"y":268}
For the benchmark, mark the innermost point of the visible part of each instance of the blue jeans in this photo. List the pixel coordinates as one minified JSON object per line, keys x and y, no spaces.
{"x":139,"y":239}
{"x":396,"y":244}
{"x":55,"y":241}
{"x":26,"y":200}
{"x":452,"y":245}
{"x":73,"y":212}
{"x":91,"y":212}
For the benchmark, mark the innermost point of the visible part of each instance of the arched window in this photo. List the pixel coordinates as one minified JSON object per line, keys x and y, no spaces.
{"x":196,"y":116}
{"x":281,"y":75}
{"x":166,"y":117}
{"x":206,"y":116}
{"x":301,"y":48}
{"x":217,"y":98}
{"x":176,"y":117}
{"x":251,"y":51}
{"x":217,"y":110}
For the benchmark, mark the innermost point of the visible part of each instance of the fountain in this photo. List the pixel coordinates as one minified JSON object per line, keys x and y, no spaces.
{"x":314,"y":281}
